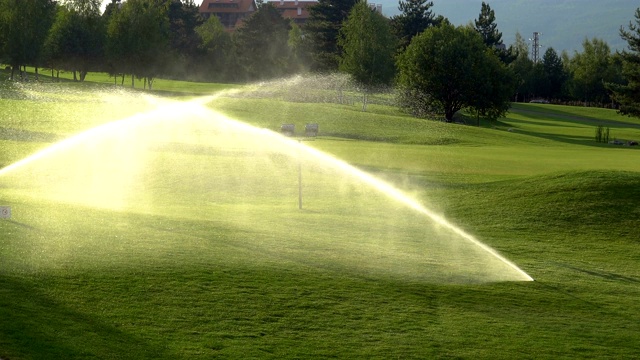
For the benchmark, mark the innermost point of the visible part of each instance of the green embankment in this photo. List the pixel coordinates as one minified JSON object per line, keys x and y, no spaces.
{"x":251,"y":276}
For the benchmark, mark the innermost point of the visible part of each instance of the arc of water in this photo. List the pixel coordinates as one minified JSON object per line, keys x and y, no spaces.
{"x":197,"y":106}
{"x":390,"y":191}
{"x":398,"y":195}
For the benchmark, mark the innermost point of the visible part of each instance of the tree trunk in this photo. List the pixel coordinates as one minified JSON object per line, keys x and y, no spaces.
{"x":122,"y":82}
{"x":448,"y":115}
{"x":133,"y":81}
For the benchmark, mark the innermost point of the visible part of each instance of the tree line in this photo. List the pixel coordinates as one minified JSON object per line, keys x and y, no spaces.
{"x":437,"y":68}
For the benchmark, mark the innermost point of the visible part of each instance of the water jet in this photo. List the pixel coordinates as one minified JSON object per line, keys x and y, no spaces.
{"x":184,"y":160}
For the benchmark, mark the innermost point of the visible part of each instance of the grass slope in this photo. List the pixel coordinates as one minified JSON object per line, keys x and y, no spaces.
{"x":84,"y":282}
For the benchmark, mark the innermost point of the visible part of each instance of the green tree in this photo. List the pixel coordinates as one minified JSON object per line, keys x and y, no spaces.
{"x":76,"y":39}
{"x":486,"y":26}
{"x":298,"y":59}
{"x":493,"y":87}
{"x":138,"y":40}
{"x":554,"y":74}
{"x":84,"y":7}
{"x":110,"y":9}
{"x":261,"y":44}
{"x":184,"y":42}
{"x":628,"y":94}
{"x":415,"y":17}
{"x":323,"y":27}
{"x":450,"y":68}
{"x":522,"y":67}
{"x":216,"y":49}
{"x":590,"y":70}
{"x":368,"y":48}
{"x":24,"y":25}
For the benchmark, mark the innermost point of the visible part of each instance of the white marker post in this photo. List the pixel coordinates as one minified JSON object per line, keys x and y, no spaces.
{"x":5,"y":212}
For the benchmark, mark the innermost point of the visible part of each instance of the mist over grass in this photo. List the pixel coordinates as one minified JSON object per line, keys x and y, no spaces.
{"x":144,"y":273}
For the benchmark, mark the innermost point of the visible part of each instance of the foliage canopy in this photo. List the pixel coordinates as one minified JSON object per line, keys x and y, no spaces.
{"x":415,"y":17}
{"x":450,"y":68}
{"x":262,"y":43}
{"x":323,"y":29}
{"x":368,"y":47}
{"x":628,"y":95}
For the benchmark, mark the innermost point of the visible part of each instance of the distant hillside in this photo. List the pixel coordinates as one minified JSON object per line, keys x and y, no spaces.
{"x":564,"y":24}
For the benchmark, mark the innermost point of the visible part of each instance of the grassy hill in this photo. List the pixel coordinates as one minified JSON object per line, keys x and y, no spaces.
{"x":143,"y":239}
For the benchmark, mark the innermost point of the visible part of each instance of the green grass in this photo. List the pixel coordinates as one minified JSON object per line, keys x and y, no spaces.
{"x":247,"y":278}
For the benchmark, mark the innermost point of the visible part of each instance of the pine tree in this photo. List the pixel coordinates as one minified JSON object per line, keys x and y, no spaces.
{"x":628,"y":96}
{"x":487,"y":27}
{"x":262,"y":44}
{"x":554,"y":74}
{"x":415,"y":18}
{"x":325,"y":20}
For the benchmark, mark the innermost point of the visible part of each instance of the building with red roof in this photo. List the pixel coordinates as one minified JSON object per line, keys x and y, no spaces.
{"x":230,"y":12}
{"x":297,"y":11}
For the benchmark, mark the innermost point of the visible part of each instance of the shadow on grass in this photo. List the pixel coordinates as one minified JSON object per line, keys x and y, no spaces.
{"x":35,"y":326}
{"x":572,"y":118}
{"x":573,"y":140}
{"x":27,"y":135}
{"x":603,"y":275}
{"x":539,"y":121}
{"x":22,"y":225}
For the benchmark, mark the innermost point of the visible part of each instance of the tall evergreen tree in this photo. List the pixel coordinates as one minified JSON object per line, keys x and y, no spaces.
{"x":554,"y":74}
{"x":415,"y":17}
{"x":184,"y":18}
{"x":628,"y":95}
{"x":325,"y":20}
{"x":486,"y":26}
{"x":262,"y":44}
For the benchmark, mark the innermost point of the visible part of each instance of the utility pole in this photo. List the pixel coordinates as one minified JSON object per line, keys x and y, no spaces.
{"x":535,"y":47}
